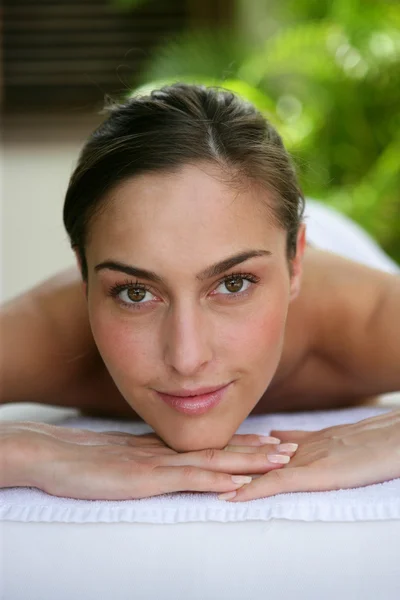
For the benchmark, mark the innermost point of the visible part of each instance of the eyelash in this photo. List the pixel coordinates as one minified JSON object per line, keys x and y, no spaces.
{"x":114,"y":290}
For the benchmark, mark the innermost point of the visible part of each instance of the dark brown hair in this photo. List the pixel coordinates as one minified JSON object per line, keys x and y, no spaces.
{"x":174,"y":126}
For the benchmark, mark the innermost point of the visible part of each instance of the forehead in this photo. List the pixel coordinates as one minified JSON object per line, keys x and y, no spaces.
{"x":194,"y":208}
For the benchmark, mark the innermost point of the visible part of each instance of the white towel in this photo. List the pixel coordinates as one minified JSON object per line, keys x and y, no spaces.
{"x":330,"y":230}
{"x":373,"y":502}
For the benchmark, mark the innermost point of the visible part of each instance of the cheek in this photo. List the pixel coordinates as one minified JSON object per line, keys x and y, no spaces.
{"x":257,"y":333}
{"x":258,"y":337}
{"x":127,"y":351}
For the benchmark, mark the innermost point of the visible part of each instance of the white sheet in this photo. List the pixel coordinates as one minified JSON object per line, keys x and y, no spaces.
{"x":373,"y":502}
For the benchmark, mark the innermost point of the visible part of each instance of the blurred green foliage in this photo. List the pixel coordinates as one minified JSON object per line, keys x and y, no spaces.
{"x":327,"y":74}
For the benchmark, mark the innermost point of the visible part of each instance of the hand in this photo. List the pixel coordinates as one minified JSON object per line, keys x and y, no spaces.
{"x":339,"y":457}
{"x":110,"y":465}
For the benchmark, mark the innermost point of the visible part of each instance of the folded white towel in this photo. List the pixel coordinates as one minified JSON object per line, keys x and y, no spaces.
{"x":373,"y":502}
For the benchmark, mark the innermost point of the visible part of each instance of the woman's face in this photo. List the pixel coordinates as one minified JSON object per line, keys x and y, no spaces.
{"x":187,"y":328}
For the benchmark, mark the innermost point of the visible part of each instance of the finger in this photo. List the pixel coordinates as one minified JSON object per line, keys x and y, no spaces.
{"x":252,"y":439}
{"x":164,"y":480}
{"x":251,"y":449}
{"x":295,"y":479}
{"x":288,"y":449}
{"x":293,"y":435}
{"x":138,"y":481}
{"x":226,"y":462}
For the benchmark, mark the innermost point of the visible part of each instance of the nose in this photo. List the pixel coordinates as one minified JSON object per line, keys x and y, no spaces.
{"x":187,"y":343}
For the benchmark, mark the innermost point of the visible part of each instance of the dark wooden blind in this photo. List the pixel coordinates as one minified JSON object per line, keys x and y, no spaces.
{"x":70,"y":53}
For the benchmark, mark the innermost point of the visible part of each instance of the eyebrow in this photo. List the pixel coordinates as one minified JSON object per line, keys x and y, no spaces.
{"x":212,"y":271}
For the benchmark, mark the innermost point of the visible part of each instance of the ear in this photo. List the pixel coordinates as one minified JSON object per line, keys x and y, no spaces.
{"x":297,"y":263}
{"x":79,"y":263}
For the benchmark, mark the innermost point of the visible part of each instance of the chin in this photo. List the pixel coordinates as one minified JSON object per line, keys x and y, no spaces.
{"x":194,"y":435}
{"x":190,"y":446}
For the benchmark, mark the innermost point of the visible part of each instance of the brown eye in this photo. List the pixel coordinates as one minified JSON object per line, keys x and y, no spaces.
{"x":234,"y":284}
{"x":136,"y":294}
{"x":132,"y":295}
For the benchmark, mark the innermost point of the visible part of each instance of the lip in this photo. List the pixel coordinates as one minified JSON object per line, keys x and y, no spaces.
{"x":195,"y":404}
{"x":185,"y":393}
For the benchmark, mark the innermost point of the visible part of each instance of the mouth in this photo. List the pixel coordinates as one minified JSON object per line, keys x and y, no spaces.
{"x":194,"y":403}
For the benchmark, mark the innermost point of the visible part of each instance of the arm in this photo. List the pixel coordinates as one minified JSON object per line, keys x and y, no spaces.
{"x":48,"y":352}
{"x":349,"y":315}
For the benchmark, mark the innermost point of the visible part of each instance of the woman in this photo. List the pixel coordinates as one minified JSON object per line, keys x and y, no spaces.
{"x":204,"y":306}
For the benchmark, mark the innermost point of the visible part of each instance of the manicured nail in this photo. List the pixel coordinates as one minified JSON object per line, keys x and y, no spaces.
{"x":227,"y":496}
{"x":287,"y":447}
{"x":241,"y":479}
{"x":278,"y":458}
{"x":267,"y":439}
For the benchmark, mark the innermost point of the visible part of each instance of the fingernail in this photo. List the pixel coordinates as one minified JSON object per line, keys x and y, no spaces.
{"x":278,"y":458}
{"x":227,"y":496}
{"x":241,"y":479}
{"x":287,"y":447}
{"x":267,"y":439}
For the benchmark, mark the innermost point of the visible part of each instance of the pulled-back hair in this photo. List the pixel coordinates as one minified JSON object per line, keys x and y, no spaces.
{"x":172,"y":127}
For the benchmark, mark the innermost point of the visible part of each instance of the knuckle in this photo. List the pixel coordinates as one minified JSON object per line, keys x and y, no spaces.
{"x":288,"y":478}
{"x":189,"y":472}
{"x":281,"y":475}
{"x":210,"y":454}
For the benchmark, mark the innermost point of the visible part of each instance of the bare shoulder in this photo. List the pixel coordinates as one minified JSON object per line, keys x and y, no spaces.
{"x":61,"y":299}
{"x":347,"y":302}
{"x":47,"y":334}
{"x":342,"y":336}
